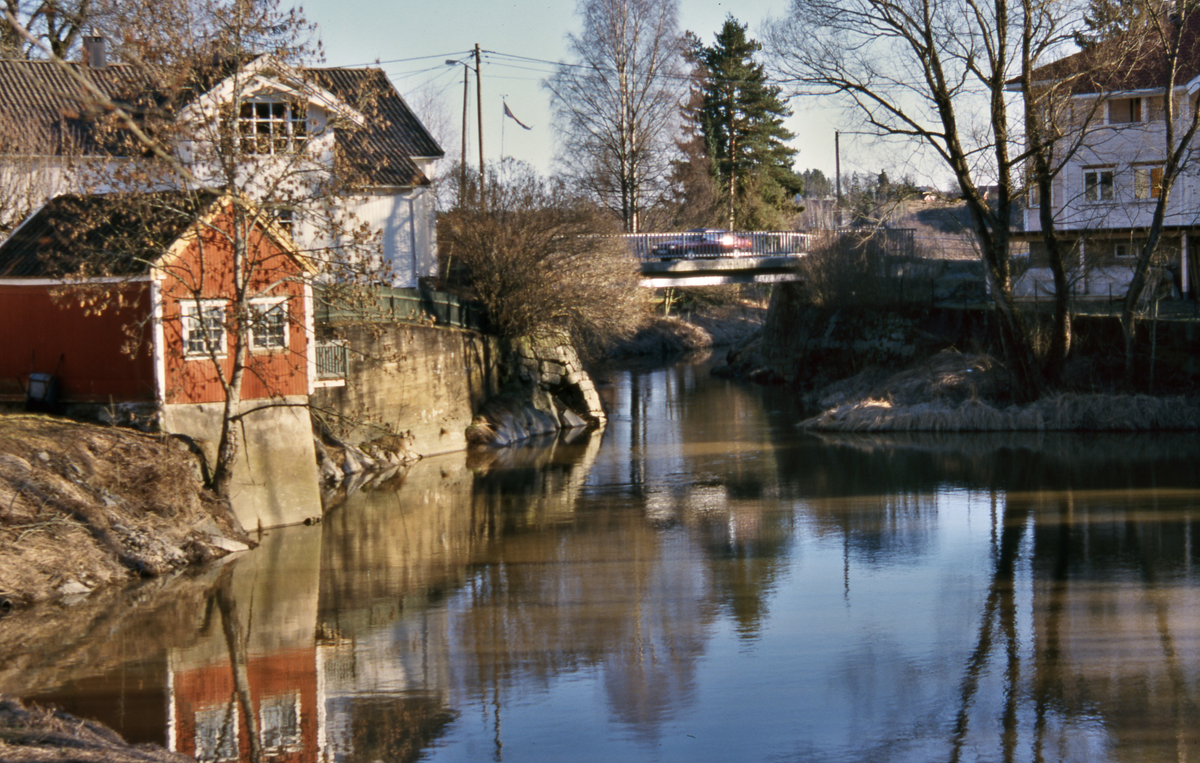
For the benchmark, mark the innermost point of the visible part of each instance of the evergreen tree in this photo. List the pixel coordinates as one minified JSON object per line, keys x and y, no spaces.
{"x":1105,"y":19}
{"x":741,"y":121}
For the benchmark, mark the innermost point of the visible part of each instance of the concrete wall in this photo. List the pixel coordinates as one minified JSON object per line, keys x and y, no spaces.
{"x":404,"y":378}
{"x":275,"y":479}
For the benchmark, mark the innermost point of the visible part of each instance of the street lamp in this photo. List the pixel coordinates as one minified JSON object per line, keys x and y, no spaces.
{"x":479,"y":112}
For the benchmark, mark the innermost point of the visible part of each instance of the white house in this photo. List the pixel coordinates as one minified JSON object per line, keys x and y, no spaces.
{"x":1104,"y":198}
{"x":299,"y":133}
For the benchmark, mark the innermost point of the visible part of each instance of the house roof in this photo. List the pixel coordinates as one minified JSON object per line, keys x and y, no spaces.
{"x":46,"y":112}
{"x":117,"y":235}
{"x":1135,"y":60}
{"x":393,"y":131}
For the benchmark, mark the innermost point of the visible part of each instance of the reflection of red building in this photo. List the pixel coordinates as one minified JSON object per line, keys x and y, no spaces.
{"x":209,"y":723}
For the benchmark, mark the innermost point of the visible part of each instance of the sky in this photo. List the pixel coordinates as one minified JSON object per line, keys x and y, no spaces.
{"x":412,"y":40}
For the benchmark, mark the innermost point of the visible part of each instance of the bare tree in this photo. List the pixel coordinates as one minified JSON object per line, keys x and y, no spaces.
{"x":538,"y":259}
{"x":937,"y":73}
{"x":230,"y":115}
{"x":1169,"y":51}
{"x":617,"y":103}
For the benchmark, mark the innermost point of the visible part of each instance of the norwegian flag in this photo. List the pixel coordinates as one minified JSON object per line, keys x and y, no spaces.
{"x":508,"y":113}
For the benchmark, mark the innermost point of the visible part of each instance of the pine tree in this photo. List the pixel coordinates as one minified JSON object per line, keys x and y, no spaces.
{"x":741,"y":121}
{"x":1105,"y":19}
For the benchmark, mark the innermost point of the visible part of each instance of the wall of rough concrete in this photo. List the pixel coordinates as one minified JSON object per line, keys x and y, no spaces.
{"x":422,"y":382}
{"x":275,"y":478}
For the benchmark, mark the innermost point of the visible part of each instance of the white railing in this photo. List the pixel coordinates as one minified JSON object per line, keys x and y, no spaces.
{"x":690,"y":245}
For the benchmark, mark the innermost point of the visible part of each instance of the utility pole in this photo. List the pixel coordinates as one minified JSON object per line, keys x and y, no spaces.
{"x":837,"y":170}
{"x":479,"y":113}
{"x":462,"y":167}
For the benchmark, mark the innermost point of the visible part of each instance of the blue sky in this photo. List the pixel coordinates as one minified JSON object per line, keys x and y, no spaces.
{"x":412,"y":40}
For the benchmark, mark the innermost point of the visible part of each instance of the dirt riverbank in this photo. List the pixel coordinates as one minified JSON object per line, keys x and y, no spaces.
{"x":84,"y":506}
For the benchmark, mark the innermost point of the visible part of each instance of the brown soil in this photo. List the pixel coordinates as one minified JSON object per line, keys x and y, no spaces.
{"x":82,"y":506}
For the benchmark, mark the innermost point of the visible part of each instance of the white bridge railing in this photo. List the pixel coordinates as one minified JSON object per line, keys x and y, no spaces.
{"x":760,"y":244}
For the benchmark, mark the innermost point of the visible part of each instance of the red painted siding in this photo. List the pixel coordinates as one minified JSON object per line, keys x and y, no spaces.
{"x":206,"y":697}
{"x":205,"y":271}
{"x":38,"y":327}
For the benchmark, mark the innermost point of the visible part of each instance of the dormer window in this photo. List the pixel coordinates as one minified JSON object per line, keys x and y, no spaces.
{"x":273,"y":127}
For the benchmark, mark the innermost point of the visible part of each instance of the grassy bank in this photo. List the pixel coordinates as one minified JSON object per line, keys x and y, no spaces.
{"x":84,"y":506}
{"x":953,"y":392}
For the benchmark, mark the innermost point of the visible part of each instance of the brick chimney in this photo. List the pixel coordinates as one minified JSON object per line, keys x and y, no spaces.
{"x":93,"y":52}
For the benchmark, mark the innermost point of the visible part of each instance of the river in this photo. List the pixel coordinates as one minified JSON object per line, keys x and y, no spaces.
{"x":700,"y":582}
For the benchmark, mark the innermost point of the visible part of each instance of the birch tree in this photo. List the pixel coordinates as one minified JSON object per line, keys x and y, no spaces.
{"x":616,"y":103}
{"x":936,"y":74}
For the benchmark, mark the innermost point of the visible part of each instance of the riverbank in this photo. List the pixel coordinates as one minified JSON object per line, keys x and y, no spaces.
{"x":34,"y":734}
{"x":86,"y":506}
{"x":955,"y":392}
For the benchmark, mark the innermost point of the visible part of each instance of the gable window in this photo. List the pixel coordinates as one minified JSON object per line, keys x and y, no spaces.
{"x":268,"y":323}
{"x":203,"y":327}
{"x":1147,"y":182}
{"x":272,"y":127}
{"x":1098,"y":185}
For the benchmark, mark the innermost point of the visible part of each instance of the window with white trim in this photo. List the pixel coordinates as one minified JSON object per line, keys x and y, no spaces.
{"x":216,"y":732}
{"x":1098,"y":185}
{"x":273,"y":127}
{"x":1147,"y":182}
{"x":203,"y":327}
{"x":268,"y":323}
{"x":1126,"y":110}
{"x":279,"y":724}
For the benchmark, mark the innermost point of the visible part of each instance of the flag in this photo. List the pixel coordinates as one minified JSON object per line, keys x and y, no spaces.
{"x":508,"y":113}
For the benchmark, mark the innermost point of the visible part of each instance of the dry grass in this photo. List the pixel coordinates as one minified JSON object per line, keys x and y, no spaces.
{"x":82,"y":505}
{"x":961,"y":393}
{"x":35,"y":734}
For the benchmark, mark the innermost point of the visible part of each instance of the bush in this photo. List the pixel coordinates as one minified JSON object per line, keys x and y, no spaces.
{"x":536,"y":256}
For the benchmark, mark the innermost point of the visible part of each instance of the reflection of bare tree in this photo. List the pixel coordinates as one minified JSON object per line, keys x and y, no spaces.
{"x":235,"y":640}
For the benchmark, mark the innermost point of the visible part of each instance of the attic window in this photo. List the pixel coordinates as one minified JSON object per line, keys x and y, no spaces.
{"x":273,"y":127}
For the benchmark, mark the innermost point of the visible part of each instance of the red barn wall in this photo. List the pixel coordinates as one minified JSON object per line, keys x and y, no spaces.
{"x":204,"y":270}
{"x":37,"y":328}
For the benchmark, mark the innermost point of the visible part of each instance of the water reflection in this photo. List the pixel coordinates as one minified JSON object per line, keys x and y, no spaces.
{"x":700,"y":582}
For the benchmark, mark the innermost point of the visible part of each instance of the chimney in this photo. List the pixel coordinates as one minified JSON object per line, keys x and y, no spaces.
{"x":93,"y":52}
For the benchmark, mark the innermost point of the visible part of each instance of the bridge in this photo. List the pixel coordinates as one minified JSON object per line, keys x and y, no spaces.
{"x":704,"y":257}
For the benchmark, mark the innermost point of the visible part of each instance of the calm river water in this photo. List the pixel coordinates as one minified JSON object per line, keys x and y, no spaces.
{"x":699,"y":583}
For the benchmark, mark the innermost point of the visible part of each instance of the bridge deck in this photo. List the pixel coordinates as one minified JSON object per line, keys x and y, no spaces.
{"x":710,"y":271}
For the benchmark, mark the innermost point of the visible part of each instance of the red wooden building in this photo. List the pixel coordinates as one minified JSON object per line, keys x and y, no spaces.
{"x":128,"y":298}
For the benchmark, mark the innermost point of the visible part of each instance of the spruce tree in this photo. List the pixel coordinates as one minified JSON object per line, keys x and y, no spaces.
{"x":741,"y":121}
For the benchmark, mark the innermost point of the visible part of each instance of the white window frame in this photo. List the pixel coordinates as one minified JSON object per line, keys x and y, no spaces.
{"x":280,"y":723}
{"x":1144,"y":187}
{"x":261,"y":306}
{"x":216,"y":732}
{"x":269,"y":126}
{"x":197,"y":316}
{"x":1096,"y":191}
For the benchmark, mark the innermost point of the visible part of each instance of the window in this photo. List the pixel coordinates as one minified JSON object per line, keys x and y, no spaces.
{"x":272,"y":127}
{"x":217,"y":732}
{"x":285,"y":218}
{"x":1125,"y":110}
{"x":1098,"y":185}
{"x":279,"y":723}
{"x":268,"y":323}
{"x":1147,"y":182}
{"x":1122,"y":250}
{"x":203,"y":327}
